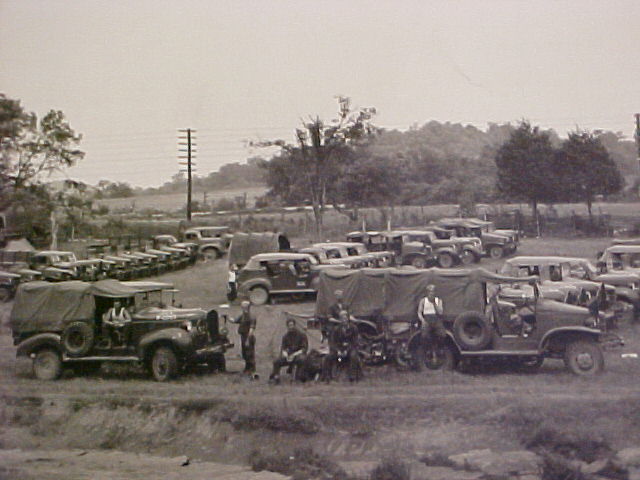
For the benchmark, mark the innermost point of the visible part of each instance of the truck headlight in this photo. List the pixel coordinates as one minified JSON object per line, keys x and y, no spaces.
{"x":187,"y":325}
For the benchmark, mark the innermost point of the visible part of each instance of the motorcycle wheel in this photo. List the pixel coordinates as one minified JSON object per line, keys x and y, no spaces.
{"x":439,"y":358}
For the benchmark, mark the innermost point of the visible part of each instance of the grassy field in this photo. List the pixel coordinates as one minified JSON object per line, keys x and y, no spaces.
{"x":171,"y":202}
{"x":228,"y":417}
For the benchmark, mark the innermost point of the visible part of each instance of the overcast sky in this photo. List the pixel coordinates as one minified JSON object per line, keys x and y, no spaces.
{"x":128,"y":74}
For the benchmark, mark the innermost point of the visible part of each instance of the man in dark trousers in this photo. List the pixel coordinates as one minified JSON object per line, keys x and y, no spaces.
{"x":246,"y":329}
{"x":293,"y":351}
{"x":334,"y":314}
{"x":343,"y":345}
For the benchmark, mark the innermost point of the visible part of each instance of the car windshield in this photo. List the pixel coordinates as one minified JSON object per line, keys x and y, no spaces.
{"x":333,"y":253}
{"x":153,"y":298}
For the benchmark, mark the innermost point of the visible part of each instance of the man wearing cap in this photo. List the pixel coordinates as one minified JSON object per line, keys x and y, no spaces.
{"x":293,"y":351}
{"x":246,"y":329}
{"x":430,"y":313}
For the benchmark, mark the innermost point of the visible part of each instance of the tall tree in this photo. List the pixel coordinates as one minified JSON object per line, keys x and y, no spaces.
{"x":588,"y":169}
{"x":526,"y":167}
{"x":311,"y":165}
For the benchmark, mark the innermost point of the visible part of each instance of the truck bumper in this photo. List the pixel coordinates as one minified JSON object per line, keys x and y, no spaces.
{"x":206,"y":353}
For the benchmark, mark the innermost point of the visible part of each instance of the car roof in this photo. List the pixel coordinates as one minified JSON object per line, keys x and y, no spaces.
{"x":623,"y":249}
{"x":53,"y":252}
{"x":543,"y":260}
{"x":343,"y":244}
{"x":281,"y":256}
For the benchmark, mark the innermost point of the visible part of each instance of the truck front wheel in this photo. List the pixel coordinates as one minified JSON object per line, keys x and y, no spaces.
{"x":496,"y":252}
{"x":584,"y":358}
{"x":47,"y":364}
{"x":164,"y":364}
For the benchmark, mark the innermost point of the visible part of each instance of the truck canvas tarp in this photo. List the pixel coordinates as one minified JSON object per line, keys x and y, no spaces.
{"x":246,"y":245}
{"x":395,"y":293}
{"x":46,"y":306}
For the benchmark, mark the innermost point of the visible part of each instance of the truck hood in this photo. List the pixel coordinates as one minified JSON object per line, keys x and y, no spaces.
{"x":170,"y":313}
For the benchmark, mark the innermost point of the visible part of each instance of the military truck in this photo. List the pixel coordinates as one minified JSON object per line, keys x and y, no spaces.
{"x":479,"y":326}
{"x":494,"y":245}
{"x":213,"y":242}
{"x":60,"y":325}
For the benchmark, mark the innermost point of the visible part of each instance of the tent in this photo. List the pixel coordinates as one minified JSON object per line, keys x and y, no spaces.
{"x":246,"y":245}
{"x":49,"y":307}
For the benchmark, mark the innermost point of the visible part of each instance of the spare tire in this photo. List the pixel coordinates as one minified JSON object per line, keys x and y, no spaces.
{"x":471,"y":331}
{"x":77,"y":339}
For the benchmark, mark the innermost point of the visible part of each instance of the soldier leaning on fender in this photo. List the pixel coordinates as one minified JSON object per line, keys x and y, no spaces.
{"x":430,"y":313}
{"x":246,"y":329}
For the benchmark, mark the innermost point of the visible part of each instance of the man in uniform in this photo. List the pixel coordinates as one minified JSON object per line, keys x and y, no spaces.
{"x":293,"y":351}
{"x":343,"y":343}
{"x":246,"y":329}
{"x":430,"y":312}
{"x":334,"y":314}
{"x":113,"y":324}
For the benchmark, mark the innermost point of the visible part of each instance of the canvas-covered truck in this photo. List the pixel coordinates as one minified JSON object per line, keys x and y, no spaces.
{"x":478,"y":324}
{"x":61,"y":325}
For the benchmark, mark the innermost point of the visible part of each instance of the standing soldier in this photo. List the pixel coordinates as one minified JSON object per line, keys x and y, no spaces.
{"x":430,"y":312}
{"x":246,"y":329}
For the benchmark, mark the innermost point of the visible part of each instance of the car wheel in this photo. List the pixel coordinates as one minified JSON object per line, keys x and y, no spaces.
{"x":467,"y":257}
{"x":471,"y":331}
{"x":77,"y":339}
{"x":439,"y":357}
{"x":496,"y":252}
{"x":584,"y":358}
{"x":164,"y":364}
{"x":47,"y":364}
{"x":419,"y":262}
{"x":446,"y":260}
{"x":210,"y":254}
{"x":258,"y":296}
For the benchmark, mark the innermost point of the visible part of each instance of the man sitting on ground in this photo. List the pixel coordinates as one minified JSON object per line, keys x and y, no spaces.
{"x":293,"y":351}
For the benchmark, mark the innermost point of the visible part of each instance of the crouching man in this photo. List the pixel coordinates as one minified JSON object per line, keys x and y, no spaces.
{"x":293,"y":352}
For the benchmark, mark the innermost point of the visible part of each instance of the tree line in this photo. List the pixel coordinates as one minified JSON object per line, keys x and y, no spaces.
{"x":349,"y":163}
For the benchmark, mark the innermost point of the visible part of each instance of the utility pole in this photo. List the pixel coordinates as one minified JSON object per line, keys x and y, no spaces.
{"x":638,"y":143}
{"x":189,"y":135}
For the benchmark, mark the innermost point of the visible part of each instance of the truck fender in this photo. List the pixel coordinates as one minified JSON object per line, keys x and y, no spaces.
{"x":448,"y":250}
{"x":38,"y":341}
{"x":176,"y":337}
{"x":574,"y":331}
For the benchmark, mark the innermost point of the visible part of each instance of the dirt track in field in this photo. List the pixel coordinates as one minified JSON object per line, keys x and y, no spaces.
{"x":226,"y":417}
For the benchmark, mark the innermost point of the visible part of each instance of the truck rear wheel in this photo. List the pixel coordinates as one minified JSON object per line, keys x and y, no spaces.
{"x":47,"y":364}
{"x":496,"y":252}
{"x":467,"y":257}
{"x":419,"y":262}
{"x":258,"y":296}
{"x":584,"y":358}
{"x":164,"y":364}
{"x":446,"y":260}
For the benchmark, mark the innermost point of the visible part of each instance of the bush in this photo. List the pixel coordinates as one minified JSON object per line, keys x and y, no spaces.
{"x":302,"y":464}
{"x":391,"y":469}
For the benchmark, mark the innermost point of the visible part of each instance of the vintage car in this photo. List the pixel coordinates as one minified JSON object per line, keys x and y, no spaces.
{"x":494,"y":245}
{"x":406,"y":251}
{"x":321,"y":256}
{"x":246,"y":245}
{"x":121,"y":268}
{"x":340,"y":251}
{"x":213,"y":242}
{"x":8,"y":285}
{"x":269,"y":274}
{"x":166,"y":260}
{"x":181,"y":257}
{"x":60,"y":325}
{"x":447,"y":253}
{"x":471,"y":246}
{"x":160,"y":241}
{"x":488,"y":226}
{"x":54,"y":265}
{"x":620,"y":258}
{"x":88,"y":270}
{"x":362,"y":244}
{"x":479,"y":326}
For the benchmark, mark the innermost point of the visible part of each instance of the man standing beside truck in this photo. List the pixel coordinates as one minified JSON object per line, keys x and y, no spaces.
{"x":430,"y":313}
